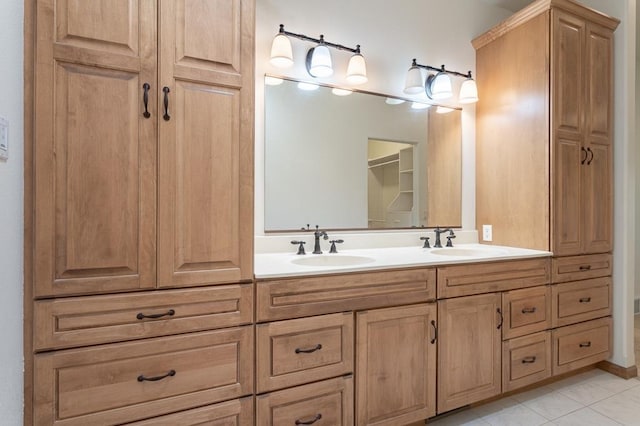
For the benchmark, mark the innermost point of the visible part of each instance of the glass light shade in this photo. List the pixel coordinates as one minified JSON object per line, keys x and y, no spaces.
{"x":357,"y":70}
{"x":341,"y":92}
{"x":414,"y":83}
{"x":307,"y":86}
{"x":281,"y":53}
{"x":443,"y":109}
{"x":468,"y":92}
{"x":272,"y":81}
{"x":319,"y":61}
{"x":439,"y":86}
{"x":419,"y":105}
{"x":394,"y":101}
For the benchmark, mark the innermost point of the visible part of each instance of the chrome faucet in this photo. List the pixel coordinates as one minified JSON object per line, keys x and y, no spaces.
{"x":316,"y":245}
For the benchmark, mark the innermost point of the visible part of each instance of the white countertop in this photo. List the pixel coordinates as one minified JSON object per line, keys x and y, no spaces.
{"x":274,"y":265}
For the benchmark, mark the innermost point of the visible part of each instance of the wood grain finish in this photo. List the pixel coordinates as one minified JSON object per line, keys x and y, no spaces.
{"x":583,"y":344}
{"x":330,"y":401}
{"x":574,"y":268}
{"x":469,"y":350}
{"x":581,"y":301}
{"x":526,"y":360}
{"x":461,"y":280}
{"x":526,"y":311}
{"x":298,"y":297}
{"x":294,"y":352}
{"x":101,"y":385}
{"x":238,"y":412}
{"x":90,"y":320}
{"x":395,"y":365}
{"x":206,"y":161}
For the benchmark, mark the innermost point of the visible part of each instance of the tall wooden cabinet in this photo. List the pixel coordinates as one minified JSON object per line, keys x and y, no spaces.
{"x":141,"y":179}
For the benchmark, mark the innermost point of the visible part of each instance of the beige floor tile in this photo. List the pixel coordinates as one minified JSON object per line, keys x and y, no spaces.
{"x":585,"y":417}
{"x":553,"y":405}
{"x":623,"y":407}
{"x":517,"y":415}
{"x":463,"y":418}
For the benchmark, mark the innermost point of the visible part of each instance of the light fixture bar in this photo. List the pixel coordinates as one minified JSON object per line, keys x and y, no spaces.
{"x":320,"y":40}
{"x":441,"y":69}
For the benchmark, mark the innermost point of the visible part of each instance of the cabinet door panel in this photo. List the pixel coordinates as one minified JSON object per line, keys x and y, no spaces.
{"x":469,"y":348}
{"x":567,"y":197}
{"x":395,"y":365}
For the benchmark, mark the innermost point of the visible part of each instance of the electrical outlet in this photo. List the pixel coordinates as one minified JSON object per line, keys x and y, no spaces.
{"x":487,"y":233}
{"x":4,"y":139}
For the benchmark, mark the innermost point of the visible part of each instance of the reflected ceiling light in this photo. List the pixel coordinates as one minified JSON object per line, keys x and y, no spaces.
{"x":318,"y":60}
{"x":438,"y":85}
{"x":307,"y":86}
{"x":341,"y":92}
{"x":272,"y":81}
{"x":419,"y":105}
{"x":394,"y":101}
{"x":443,"y":109}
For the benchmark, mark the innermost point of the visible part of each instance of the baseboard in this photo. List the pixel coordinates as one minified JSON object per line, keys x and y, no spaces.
{"x":624,"y":372}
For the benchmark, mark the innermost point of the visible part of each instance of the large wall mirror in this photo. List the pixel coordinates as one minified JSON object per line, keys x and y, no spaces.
{"x":358,"y":160}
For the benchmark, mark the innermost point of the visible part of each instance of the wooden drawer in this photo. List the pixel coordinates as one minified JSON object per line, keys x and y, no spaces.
{"x":290,"y":353}
{"x":294,"y":298}
{"x":526,"y":311}
{"x":463,"y":280}
{"x":583,"y":344}
{"x":526,"y":360}
{"x":574,"y":268}
{"x":330,"y":402}
{"x":81,"y":321}
{"x":238,"y":412}
{"x":124,"y":382}
{"x":581,"y":301}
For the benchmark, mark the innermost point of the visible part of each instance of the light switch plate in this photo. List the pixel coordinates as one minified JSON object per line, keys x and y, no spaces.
{"x":4,"y":139}
{"x":487,"y":233}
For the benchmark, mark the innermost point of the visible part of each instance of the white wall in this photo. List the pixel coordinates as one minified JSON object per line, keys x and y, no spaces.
{"x":391,"y":34}
{"x":11,"y":222}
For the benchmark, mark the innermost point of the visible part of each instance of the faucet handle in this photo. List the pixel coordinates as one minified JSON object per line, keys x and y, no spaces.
{"x":300,"y":247}
{"x":451,"y":236}
{"x":426,"y":242}
{"x":333,"y":245}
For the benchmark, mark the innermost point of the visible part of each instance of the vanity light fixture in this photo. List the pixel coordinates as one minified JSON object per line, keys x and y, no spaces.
{"x":307,"y":86}
{"x":341,"y":92}
{"x":394,"y":101}
{"x":318,"y":60}
{"x":419,"y":105}
{"x":438,"y":85}
{"x":273,"y":81}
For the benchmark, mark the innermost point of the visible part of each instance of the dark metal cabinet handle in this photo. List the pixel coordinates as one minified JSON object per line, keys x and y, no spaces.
{"x":591,"y":158}
{"x":142,"y":378}
{"x":585,"y":300}
{"x":529,"y":360}
{"x":585,"y":268}
{"x":529,"y":310}
{"x":169,"y":313}
{"x":585,"y":155}
{"x":501,"y":318}
{"x":166,"y":115}
{"x":308,"y":351}
{"x":145,"y":100}
{"x":585,"y":345}
{"x":309,"y":422}
{"x":435,"y":332}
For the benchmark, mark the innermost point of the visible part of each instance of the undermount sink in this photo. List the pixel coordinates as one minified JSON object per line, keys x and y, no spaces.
{"x":332,"y":260}
{"x":467,"y":252}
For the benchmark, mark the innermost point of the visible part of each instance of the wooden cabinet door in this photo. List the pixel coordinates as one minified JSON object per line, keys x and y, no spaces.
{"x":598,"y":169}
{"x":206,"y":142}
{"x":568,"y":153}
{"x":469,"y":347}
{"x":395,"y":365}
{"x":95,"y":152}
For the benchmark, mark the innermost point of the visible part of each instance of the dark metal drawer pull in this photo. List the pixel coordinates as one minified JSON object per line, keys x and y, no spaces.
{"x":529,"y":360}
{"x":145,"y":100}
{"x":169,"y":313}
{"x":308,"y":351}
{"x":528,"y":310}
{"x":499,"y":312}
{"x":585,"y":267}
{"x":309,"y":422}
{"x":435,"y":332}
{"x":585,"y":300}
{"x":585,"y":345}
{"x":142,"y":378}
{"x":166,"y":115}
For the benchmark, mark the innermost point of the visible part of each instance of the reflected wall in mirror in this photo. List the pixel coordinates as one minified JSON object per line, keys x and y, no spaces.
{"x":358,"y":161}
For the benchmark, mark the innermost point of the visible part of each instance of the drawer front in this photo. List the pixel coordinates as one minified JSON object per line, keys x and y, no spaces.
{"x":328,"y":403}
{"x":526,"y":360}
{"x":581,"y":301}
{"x":238,"y":412}
{"x":526,"y":311}
{"x":290,"y":353}
{"x":574,"y":268}
{"x":124,"y":382}
{"x":83,"y":321}
{"x":294,"y":298}
{"x":464,"y":280}
{"x":583,"y":344}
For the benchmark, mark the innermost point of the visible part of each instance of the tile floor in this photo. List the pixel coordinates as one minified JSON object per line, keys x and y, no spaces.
{"x":591,"y":398}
